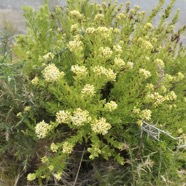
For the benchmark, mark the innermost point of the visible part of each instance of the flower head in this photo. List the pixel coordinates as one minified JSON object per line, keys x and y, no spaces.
{"x":105,"y":52}
{"x":44,"y":159}
{"x":130,"y":65}
{"x":35,"y":81}
{"x":51,"y":73}
{"x":31,"y":176}
{"x":145,"y":114}
{"x":171,"y":96}
{"x":104,"y":32}
{"x":102,"y":71}
{"x":75,"y":45}
{"x":42,"y":129}
{"x":79,"y":71}
{"x":90,"y":30}
{"x":67,"y":147}
{"x":144,"y":73}
{"x":99,"y":17}
{"x":54,"y":147}
{"x":100,"y":126}
{"x":27,"y":109}
{"x":63,"y":116}
{"x":49,"y":56}
{"x":110,"y":106}
{"x":88,"y":90}
{"x":148,"y":26}
{"x":80,"y":117}
{"x":117,"y":49}
{"x":146,"y":44}
{"x":159,"y":63}
{"x":74,"y":28}
{"x":76,"y":14}
{"x":119,"y":63}
{"x":58,"y":176}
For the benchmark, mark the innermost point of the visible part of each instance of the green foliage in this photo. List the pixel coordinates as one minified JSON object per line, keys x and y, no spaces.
{"x":95,"y":77}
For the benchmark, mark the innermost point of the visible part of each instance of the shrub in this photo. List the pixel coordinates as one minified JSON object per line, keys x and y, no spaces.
{"x":100,"y":77}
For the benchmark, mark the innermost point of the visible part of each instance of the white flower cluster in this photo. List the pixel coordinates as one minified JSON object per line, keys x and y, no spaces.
{"x":79,"y":71}
{"x":145,"y":114}
{"x":144,"y":73}
{"x":58,"y":176}
{"x":104,"y":32}
{"x":148,"y":26}
{"x":119,"y":63}
{"x":42,"y":129}
{"x":74,"y":28}
{"x":44,"y":159}
{"x":62,"y":116}
{"x":179,"y":77}
{"x":54,"y":147}
{"x":171,"y":96}
{"x":51,"y":73}
{"x":90,"y":30}
{"x":117,"y":49}
{"x":76,"y":14}
{"x":94,"y":151}
{"x":27,"y":108}
{"x":168,"y":78}
{"x":99,"y":17}
{"x":150,"y":87}
{"x":146,"y":44}
{"x":31,"y":176}
{"x":49,"y":56}
{"x":105,"y":53}
{"x":136,"y":110}
{"x":80,"y":117}
{"x":156,"y":98}
{"x":88,"y":90}
{"x":35,"y":81}
{"x":76,"y":45}
{"x":159,"y":63}
{"x":121,"y":16}
{"x":130,"y":65}
{"x":102,"y":71}
{"x":100,"y":126}
{"x":110,"y":106}
{"x":67,"y":147}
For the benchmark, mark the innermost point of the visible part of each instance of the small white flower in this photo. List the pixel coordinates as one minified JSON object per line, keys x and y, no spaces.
{"x":88,"y":90}
{"x":31,"y":176}
{"x":100,"y":126}
{"x":63,"y":116}
{"x":80,"y":117}
{"x":58,"y":176}
{"x":144,"y":73}
{"x":54,"y":147}
{"x":51,"y":73}
{"x":105,"y":52}
{"x":112,"y":105}
{"x":67,"y":147}
{"x":35,"y":81}
{"x":130,"y":65}
{"x":49,"y":56}
{"x":145,"y":114}
{"x":79,"y":71}
{"x":42,"y":129}
{"x":119,"y":63}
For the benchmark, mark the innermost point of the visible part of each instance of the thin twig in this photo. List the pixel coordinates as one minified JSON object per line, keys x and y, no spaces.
{"x":79,"y":167}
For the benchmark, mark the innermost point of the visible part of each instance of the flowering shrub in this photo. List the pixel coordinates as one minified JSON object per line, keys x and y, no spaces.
{"x":97,"y":74}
